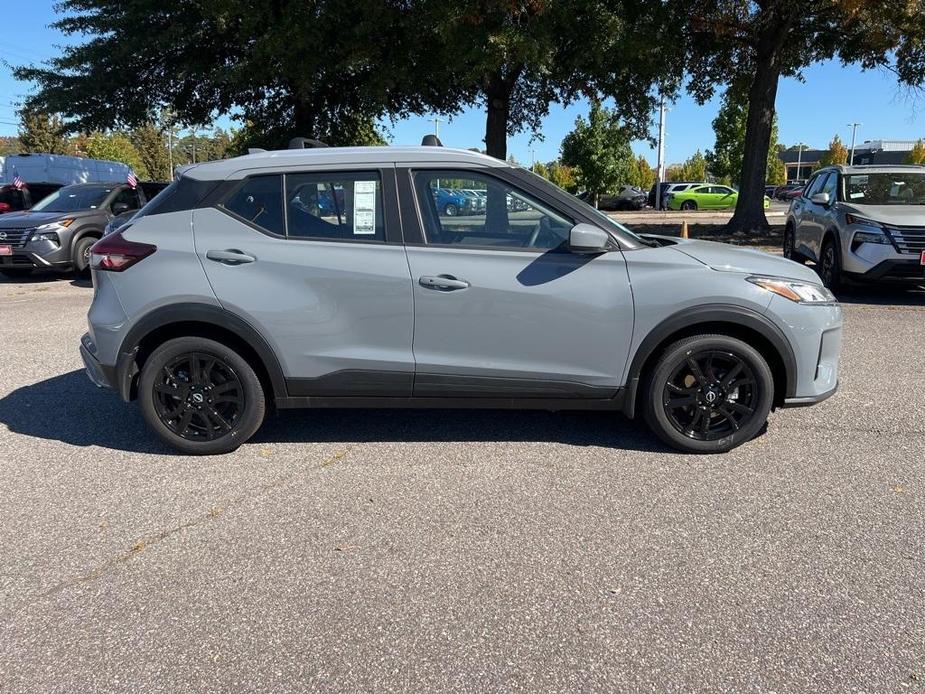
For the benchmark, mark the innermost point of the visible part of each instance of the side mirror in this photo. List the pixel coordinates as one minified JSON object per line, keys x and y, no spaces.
{"x":585,"y":238}
{"x":820,"y":198}
{"x":119,"y":207}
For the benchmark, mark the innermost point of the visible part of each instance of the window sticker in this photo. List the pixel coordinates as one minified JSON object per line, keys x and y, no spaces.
{"x":364,"y":207}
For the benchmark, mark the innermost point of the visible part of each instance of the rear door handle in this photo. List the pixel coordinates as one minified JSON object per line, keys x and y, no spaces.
{"x":446,"y":283}
{"x":231,"y":256}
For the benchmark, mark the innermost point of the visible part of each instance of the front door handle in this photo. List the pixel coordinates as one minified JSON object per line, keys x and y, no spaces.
{"x":231,"y":256}
{"x":446,"y":283}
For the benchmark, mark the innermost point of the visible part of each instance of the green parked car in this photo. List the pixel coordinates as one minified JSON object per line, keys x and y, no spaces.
{"x":706,"y":197}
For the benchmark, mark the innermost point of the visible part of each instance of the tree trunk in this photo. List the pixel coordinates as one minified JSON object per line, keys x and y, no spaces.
{"x":749,"y":214}
{"x":303,"y":120}
{"x":498,"y":108}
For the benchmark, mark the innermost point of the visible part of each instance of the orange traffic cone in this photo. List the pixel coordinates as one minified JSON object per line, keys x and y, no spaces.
{"x":684,"y":229}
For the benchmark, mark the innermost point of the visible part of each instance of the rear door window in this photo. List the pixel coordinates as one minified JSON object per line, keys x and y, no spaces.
{"x":259,"y":201}
{"x":335,"y":206}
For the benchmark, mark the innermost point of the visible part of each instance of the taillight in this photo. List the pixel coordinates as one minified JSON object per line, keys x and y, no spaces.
{"x":115,"y":253}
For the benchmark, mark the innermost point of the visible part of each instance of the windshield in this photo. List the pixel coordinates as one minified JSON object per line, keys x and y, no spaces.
{"x":900,"y":188}
{"x":73,"y":199}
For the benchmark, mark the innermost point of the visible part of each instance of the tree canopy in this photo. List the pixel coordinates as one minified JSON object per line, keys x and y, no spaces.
{"x":837,"y":153}
{"x":917,"y":153}
{"x":599,"y":150}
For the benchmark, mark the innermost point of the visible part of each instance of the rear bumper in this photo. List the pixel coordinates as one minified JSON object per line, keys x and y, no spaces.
{"x":102,"y":376}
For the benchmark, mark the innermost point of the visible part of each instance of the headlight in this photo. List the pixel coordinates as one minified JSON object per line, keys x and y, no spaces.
{"x":45,"y":236}
{"x":851,"y":218}
{"x":49,"y":232}
{"x":800,"y":292}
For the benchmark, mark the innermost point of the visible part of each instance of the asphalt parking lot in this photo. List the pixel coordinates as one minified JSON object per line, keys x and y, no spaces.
{"x":462,"y":551}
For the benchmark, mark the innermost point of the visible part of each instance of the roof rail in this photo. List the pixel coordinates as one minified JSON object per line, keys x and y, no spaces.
{"x":431,"y":141}
{"x":255,"y":150}
{"x":306,"y":143}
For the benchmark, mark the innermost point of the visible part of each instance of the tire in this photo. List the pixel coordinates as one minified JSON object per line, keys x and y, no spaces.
{"x":790,"y":250}
{"x":81,"y":257}
{"x":450,"y":210}
{"x":224,"y":400}
{"x":829,"y":266}
{"x":16,"y":273}
{"x":735,"y":410}
{"x":688,"y":205}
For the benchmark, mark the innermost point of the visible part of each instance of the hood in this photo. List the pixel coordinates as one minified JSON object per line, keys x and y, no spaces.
{"x":28,"y":218}
{"x":726,"y":258}
{"x":900,"y":215}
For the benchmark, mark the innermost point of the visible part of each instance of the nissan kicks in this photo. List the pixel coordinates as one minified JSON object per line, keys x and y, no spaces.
{"x":227,"y":296}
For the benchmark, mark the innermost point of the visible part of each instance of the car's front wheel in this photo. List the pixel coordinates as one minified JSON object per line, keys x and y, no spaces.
{"x":790,"y":246}
{"x":81,"y":258}
{"x":708,"y":394}
{"x":830,"y":265}
{"x":200,"y":396}
{"x":688,"y":205}
{"x":450,"y":210}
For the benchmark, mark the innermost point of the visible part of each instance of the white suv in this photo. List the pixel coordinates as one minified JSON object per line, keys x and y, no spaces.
{"x":861,"y":223}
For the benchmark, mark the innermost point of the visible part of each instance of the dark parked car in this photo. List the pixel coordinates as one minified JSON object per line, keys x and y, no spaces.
{"x":13,"y":199}
{"x":57,"y":232}
{"x":788,"y":192}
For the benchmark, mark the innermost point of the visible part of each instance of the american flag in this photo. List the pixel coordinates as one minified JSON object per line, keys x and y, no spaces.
{"x":132,"y":181}
{"x":18,"y":183}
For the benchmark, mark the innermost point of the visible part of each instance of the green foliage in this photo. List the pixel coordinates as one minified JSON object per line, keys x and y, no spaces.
{"x":725,"y":159}
{"x":151,"y":147}
{"x":562,"y":175}
{"x":837,"y":153}
{"x":599,"y":150}
{"x":694,"y":168}
{"x":917,"y":153}
{"x":115,"y":146}
{"x":540,"y":169}
{"x":9,"y":145}
{"x":40,"y":132}
{"x":641,"y":174}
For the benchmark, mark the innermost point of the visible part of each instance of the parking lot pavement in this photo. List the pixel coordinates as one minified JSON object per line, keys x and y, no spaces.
{"x":464,"y":551}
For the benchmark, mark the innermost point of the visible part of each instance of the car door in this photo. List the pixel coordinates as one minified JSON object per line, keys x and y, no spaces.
{"x":808,"y":234}
{"x":314,"y":261}
{"x":502,"y":309}
{"x":723,"y":197}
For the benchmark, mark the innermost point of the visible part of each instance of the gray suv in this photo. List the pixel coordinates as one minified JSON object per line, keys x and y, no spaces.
{"x":57,"y":233}
{"x":329,"y":277}
{"x":861,"y":223}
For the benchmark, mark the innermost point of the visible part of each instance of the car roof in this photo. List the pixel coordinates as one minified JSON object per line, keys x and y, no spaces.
{"x":875,"y":168}
{"x":339,"y":156}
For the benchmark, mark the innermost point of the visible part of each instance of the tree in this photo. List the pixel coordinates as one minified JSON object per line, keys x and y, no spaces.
{"x":837,"y":153}
{"x":148,"y":141}
{"x":562,"y":175}
{"x":726,"y":157}
{"x":320,"y":68}
{"x":540,"y":169}
{"x":40,"y":132}
{"x":756,"y":43}
{"x":641,"y":174}
{"x":599,"y":150}
{"x":114,"y":146}
{"x":917,"y":153}
{"x":9,"y":145}
{"x":777,"y":171}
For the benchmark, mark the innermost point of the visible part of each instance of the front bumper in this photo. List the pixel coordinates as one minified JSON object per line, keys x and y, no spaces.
{"x":102,"y":376}
{"x":808,"y":400}
{"x":896,"y":270}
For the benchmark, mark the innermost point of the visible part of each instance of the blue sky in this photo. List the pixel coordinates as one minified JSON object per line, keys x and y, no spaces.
{"x":812,"y":111}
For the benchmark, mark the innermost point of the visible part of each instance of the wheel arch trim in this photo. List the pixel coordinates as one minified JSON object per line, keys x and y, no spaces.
{"x":702,"y":315}
{"x":192,"y":312}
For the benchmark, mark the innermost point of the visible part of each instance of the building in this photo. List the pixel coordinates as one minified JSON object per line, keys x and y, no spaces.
{"x":800,"y":165}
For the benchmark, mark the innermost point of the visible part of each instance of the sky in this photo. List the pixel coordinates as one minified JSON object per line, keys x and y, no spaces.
{"x":811,"y":111}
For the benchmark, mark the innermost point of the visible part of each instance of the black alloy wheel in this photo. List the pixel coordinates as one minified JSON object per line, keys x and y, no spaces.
{"x":708,"y":394}
{"x":830,"y":265}
{"x":200,"y":396}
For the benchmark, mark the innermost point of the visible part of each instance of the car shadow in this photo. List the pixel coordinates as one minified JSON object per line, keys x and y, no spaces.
{"x":48,"y":276}
{"x":70,"y":409}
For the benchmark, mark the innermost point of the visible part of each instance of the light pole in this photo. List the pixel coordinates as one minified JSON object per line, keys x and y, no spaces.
{"x":436,"y":121}
{"x":533,"y":163}
{"x":660,"y":173}
{"x":799,"y":160}
{"x":854,"y":132}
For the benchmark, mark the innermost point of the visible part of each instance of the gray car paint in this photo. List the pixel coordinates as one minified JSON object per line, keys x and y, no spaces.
{"x":329,"y":307}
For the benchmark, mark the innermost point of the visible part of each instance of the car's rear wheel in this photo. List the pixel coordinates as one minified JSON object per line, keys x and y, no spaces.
{"x":450,"y":210}
{"x":708,"y":394}
{"x":81,"y":258}
{"x":688,"y":205}
{"x":16,"y":273}
{"x":200,"y":396}
{"x":829,"y":267}
{"x":790,"y":249}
